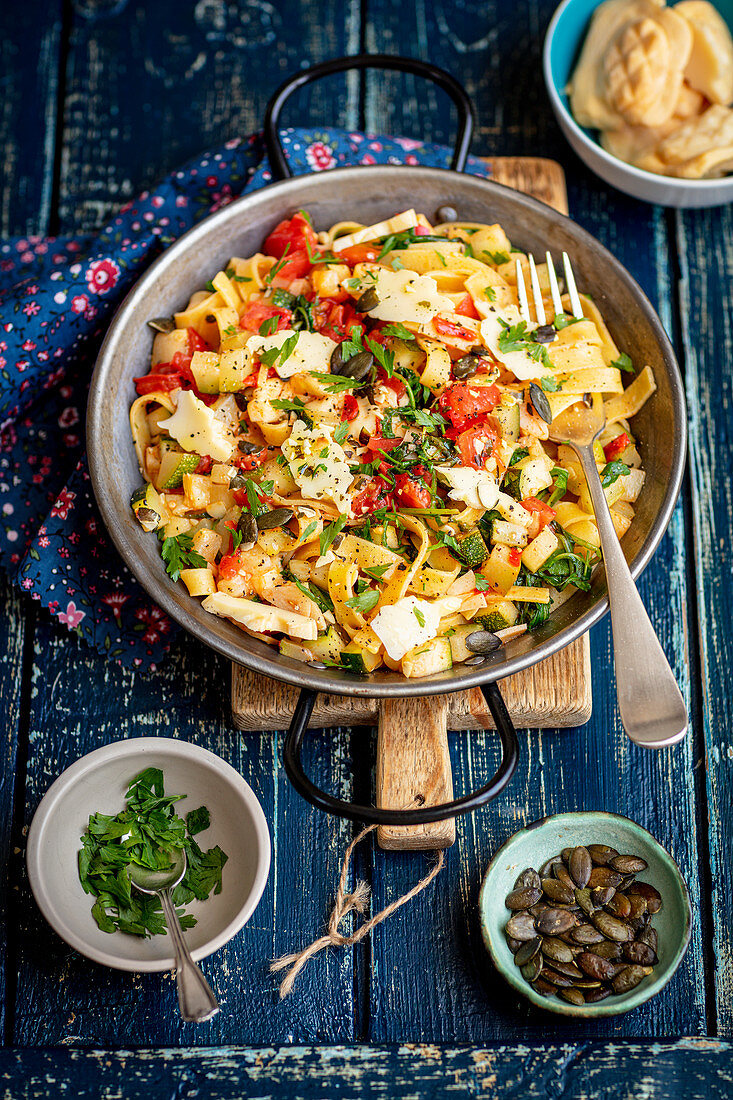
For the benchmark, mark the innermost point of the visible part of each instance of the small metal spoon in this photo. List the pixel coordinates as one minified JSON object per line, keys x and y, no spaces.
{"x":196,"y":999}
{"x":652,"y":709}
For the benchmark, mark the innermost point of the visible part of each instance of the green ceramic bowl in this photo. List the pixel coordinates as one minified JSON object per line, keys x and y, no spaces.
{"x":533,"y":846}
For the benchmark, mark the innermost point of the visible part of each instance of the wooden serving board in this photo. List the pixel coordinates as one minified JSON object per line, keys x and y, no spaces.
{"x":413,"y":765}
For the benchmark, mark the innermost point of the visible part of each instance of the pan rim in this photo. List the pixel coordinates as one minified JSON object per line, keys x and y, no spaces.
{"x":327,"y":680}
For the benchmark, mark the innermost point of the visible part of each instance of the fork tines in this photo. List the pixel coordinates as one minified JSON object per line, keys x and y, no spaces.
{"x":539,"y":306}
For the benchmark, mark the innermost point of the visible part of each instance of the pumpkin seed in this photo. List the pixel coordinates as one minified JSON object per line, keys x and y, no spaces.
{"x":366,"y":301}
{"x":569,"y":970}
{"x":619,"y":906}
{"x":278,"y":517}
{"x":555,"y":891}
{"x":601,"y":853}
{"x":572,"y":996}
{"x":562,"y":874}
{"x":555,"y":949}
{"x":593,"y":996}
{"x":604,"y":876}
{"x":629,"y":978}
{"x":546,"y":868}
{"x":544,"y":987}
{"x":580,"y":866}
{"x":652,"y":897}
{"x":586,"y":934}
{"x":532,"y":969}
{"x":544,"y":334}
{"x":606,"y":949}
{"x":541,"y":406}
{"x":246,"y":448}
{"x":585,"y":901}
{"x":555,"y":920}
{"x":512,"y":944}
{"x":639,"y":953}
{"x":649,"y":935}
{"x":522,"y":898}
{"x":611,"y":927}
{"x":596,"y":967}
{"x":162,"y":324}
{"x":465,"y":367}
{"x":638,"y":906}
{"x":628,"y":865}
{"x":247,"y":527}
{"x":337,"y":360}
{"x":528,"y":877}
{"x":527,"y":951}
{"x":565,"y":854}
{"x":521,"y":927}
{"x":554,"y":977}
{"x":482,"y":641}
{"x":358,"y":367}
{"x":602,"y":895}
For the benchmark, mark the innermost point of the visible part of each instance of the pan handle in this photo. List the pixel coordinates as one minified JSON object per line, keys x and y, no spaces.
{"x":375,"y":816}
{"x":275,"y":152}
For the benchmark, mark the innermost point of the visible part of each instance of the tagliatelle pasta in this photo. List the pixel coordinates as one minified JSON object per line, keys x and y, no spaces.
{"x":344,"y":444}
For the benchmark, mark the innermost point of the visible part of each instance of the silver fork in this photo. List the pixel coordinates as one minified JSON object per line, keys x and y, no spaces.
{"x":652,"y":709}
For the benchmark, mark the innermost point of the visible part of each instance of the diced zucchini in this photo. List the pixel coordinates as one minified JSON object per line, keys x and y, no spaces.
{"x":205,"y":369}
{"x":536,"y":554}
{"x":233,"y":369}
{"x":326,"y":647}
{"x":508,"y":416}
{"x":500,"y":570}
{"x":359,"y":660}
{"x":472,"y":548}
{"x":508,"y":534}
{"x":428,"y":658}
{"x":148,"y":508}
{"x":296,"y":650}
{"x":499,"y":616}
{"x":457,"y":639}
{"x":173,"y":465}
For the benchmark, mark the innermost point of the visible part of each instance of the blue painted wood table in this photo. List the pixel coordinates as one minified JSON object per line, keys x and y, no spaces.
{"x":99,"y":98}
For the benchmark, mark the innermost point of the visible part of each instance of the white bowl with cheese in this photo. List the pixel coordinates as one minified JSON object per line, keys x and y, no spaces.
{"x":565,"y":36}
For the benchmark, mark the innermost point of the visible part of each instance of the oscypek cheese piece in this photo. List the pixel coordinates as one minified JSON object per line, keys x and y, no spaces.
{"x":195,"y":426}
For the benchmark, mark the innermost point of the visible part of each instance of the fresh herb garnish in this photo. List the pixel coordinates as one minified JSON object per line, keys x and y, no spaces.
{"x":490,"y":293}
{"x":329,"y":533}
{"x":497,"y":257}
{"x":147,"y":833}
{"x":269,"y":326}
{"x":419,"y":615}
{"x":321,"y":599}
{"x":399,"y":331}
{"x":278,"y":266}
{"x":364,"y":601}
{"x":516,"y":338}
{"x":561,"y":484}
{"x":377,"y":571}
{"x":178,"y":553}
{"x":562,"y":320}
{"x":308,"y":531}
{"x":612,"y":471}
{"x":624,"y":363}
{"x":341,"y":432}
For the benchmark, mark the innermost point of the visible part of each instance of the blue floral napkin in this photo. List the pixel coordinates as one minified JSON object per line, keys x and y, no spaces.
{"x":57,"y":296}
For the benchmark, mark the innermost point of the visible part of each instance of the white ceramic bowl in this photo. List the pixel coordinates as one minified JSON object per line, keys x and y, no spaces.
{"x":563,"y":41}
{"x":98,"y":782}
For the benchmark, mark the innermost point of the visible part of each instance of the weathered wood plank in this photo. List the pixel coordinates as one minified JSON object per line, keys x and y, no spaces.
{"x":12,"y":642}
{"x":150,"y":85}
{"x":64,"y":999}
{"x":690,"y":1069}
{"x":30,"y":58}
{"x":441,"y":982}
{"x":706,"y":265}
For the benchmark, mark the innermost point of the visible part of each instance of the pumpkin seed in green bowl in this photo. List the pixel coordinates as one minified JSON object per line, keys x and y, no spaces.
{"x":568,"y":882}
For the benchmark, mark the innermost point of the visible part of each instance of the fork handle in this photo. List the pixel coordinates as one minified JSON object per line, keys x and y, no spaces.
{"x":652,"y":709}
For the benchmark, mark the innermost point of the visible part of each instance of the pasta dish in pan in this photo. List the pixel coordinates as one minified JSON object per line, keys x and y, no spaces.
{"x":344,"y":444}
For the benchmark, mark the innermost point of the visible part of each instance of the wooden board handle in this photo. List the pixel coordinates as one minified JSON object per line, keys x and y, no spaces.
{"x":413,"y":769}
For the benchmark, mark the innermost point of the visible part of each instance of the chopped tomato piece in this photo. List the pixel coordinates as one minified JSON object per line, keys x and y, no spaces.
{"x":351,"y":408}
{"x":373,"y":496}
{"x":479,"y":443}
{"x":335,"y":319}
{"x":359,"y":254}
{"x":462,"y":402}
{"x":382,"y":443}
{"x":204,"y":466}
{"x":545,"y":513}
{"x":158,"y":383}
{"x":466,"y":308}
{"x":421,"y":231}
{"x":616,"y":447}
{"x":449,"y":328}
{"x":196,"y":342}
{"x":412,"y":492}
{"x":248,"y":462}
{"x":229,"y":566}
{"x":515,"y":557}
{"x":256,"y":313}
{"x":296,"y":265}
{"x":291,"y":235}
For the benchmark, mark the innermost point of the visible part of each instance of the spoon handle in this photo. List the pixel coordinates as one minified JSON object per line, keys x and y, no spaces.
{"x":652,"y":709}
{"x":196,"y":999}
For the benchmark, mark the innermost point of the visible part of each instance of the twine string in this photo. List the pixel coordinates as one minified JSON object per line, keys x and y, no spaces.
{"x":355,"y":901}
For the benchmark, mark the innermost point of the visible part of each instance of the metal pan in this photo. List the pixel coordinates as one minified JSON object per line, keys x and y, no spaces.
{"x":373,"y":193}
